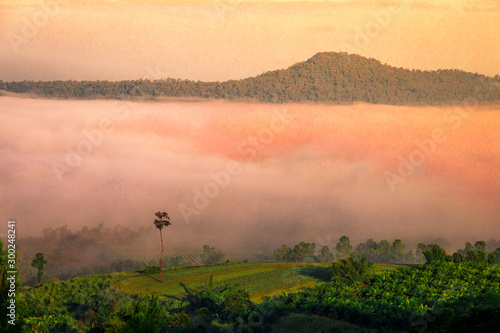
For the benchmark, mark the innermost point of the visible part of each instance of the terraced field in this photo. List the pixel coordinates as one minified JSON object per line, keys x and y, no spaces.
{"x":190,"y":258}
{"x":260,"y":280}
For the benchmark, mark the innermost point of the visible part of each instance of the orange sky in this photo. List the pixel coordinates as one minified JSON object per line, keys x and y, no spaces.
{"x":223,"y":39}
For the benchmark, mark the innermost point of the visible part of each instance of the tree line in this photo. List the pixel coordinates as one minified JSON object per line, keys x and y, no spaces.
{"x":328,"y":77}
{"x":385,"y":252}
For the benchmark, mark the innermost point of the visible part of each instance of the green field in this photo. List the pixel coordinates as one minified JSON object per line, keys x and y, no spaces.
{"x":145,"y":256}
{"x":260,"y":280}
{"x":438,"y":296}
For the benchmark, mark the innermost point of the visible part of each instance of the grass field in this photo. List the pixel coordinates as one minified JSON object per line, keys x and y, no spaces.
{"x":260,"y":280}
{"x":145,"y":256}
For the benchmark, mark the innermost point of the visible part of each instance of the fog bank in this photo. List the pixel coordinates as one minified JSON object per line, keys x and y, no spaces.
{"x":244,"y":176}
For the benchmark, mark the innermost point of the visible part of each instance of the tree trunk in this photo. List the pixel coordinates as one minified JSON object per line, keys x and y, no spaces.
{"x":161,"y":257}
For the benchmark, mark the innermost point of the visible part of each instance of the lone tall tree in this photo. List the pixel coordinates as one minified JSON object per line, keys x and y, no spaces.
{"x":162,"y":221}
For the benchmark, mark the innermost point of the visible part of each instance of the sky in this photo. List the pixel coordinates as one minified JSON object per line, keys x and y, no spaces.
{"x":223,"y":39}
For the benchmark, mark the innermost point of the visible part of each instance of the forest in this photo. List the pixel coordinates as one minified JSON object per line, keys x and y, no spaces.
{"x":347,"y":288}
{"x":328,"y":77}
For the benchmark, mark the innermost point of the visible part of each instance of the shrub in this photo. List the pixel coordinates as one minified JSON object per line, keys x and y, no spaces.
{"x":148,"y":320}
{"x":152,"y":270}
{"x":181,"y":322}
{"x":236,"y":303}
{"x":434,"y":252}
{"x":471,"y":313}
{"x":210,"y":256}
{"x":354,"y":268}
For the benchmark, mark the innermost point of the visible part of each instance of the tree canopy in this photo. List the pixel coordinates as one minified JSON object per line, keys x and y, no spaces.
{"x":327,"y":77}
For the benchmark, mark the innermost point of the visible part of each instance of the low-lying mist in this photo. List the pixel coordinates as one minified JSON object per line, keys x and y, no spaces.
{"x":242,"y":176}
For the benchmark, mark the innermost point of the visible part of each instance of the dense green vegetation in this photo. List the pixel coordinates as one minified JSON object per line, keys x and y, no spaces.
{"x":438,"y":296}
{"x":326,"y":77}
{"x":351,"y":269}
{"x":449,"y":293}
{"x":207,"y":293}
{"x":434,"y":297}
{"x":83,"y":305}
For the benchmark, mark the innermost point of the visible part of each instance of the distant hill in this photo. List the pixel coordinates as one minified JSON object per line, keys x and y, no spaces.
{"x":328,"y":77}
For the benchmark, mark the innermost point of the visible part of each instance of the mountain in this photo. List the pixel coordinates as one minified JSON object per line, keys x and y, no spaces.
{"x":328,"y":77}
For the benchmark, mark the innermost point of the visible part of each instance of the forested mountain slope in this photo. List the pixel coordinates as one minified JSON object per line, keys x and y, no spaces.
{"x":328,"y":77}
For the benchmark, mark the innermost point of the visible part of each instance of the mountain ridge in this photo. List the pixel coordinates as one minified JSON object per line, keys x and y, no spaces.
{"x":326,"y":77}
